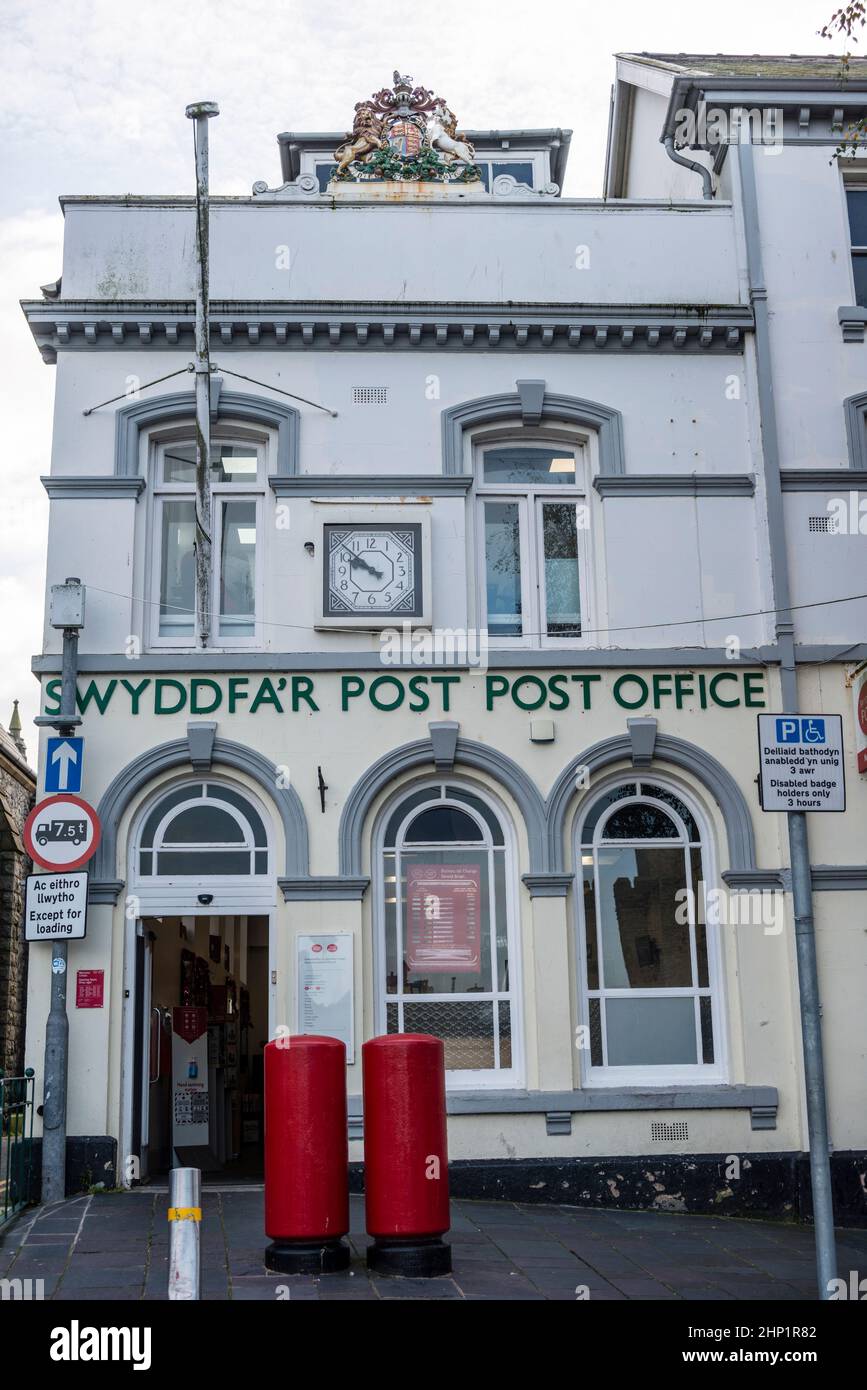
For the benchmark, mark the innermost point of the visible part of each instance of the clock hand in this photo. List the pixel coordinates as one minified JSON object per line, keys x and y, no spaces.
{"x":356,"y":561}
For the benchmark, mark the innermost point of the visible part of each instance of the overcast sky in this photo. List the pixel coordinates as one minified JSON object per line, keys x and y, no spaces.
{"x":93,"y":102}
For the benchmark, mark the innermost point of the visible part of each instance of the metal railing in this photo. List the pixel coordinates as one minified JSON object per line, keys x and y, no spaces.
{"x":16,"y":1142}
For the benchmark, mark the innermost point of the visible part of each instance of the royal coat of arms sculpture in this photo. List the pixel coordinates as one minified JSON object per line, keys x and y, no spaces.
{"x":405,"y":133}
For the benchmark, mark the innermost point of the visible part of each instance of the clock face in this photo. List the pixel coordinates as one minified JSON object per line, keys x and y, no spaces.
{"x":373,"y":571}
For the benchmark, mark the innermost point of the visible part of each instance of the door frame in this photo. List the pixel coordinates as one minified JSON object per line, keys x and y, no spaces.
{"x":134,"y":1033}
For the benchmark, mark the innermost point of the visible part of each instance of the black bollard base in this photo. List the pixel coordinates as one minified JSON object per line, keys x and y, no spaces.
{"x":419,"y":1257}
{"x":307,"y":1256}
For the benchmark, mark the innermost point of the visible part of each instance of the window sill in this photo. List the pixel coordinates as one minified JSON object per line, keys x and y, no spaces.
{"x":558,"y":1107}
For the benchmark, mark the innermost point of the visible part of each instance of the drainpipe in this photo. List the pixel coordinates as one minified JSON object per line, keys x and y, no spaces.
{"x":706,"y":176}
{"x":799,"y":849}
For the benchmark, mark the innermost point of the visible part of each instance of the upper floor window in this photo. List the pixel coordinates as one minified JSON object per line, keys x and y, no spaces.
{"x":237,"y":498}
{"x":856,"y":201}
{"x":533,"y":529}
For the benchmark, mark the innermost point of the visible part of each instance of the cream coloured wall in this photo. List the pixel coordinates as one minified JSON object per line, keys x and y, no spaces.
{"x":759,"y":990}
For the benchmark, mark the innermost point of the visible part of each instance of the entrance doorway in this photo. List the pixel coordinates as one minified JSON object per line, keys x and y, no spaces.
{"x":201,"y":1024}
{"x":197,"y":979}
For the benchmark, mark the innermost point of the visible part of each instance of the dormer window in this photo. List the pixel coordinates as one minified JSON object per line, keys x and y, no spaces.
{"x":237,"y":498}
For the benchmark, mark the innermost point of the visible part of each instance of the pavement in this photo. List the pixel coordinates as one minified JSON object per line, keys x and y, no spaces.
{"x":115,"y":1247}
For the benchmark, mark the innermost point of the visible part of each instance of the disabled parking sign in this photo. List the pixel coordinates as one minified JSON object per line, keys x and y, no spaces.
{"x":801,"y":762}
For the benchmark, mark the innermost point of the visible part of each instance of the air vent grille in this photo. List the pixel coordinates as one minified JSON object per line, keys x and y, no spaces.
{"x":662,"y":1132}
{"x":819,"y":523}
{"x":370,"y":395}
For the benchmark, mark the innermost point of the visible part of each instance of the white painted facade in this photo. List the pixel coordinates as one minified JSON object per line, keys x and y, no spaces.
{"x":427,"y":326}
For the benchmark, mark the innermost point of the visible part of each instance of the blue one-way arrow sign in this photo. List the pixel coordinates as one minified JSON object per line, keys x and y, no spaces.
{"x":63,"y":763}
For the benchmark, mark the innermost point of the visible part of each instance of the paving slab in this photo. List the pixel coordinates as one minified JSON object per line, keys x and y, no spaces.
{"x":115,"y":1246}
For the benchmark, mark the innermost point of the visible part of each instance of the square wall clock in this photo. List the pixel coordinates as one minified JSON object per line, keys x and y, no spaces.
{"x":375,"y":574}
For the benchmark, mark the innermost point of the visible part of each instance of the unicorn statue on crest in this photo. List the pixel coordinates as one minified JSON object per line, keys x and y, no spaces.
{"x":442,"y":135}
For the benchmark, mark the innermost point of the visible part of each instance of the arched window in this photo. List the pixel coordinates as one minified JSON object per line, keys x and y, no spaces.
{"x":447,"y":955}
{"x":647,"y":952}
{"x":202,"y":835}
{"x":535,"y":572}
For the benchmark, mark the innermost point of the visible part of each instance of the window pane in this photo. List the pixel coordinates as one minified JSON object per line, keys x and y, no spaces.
{"x":482,"y":808}
{"x":562,"y":589}
{"x":467,"y":1029}
{"x":445,"y":900}
{"x":179,"y":464}
{"x":503,"y":568}
{"x":522,"y":172}
{"x":640,"y":822}
{"x":554,"y":467}
{"x":590,"y":924}
{"x":505,"y":1014}
{"x":162,"y":808}
{"x":249,"y":812}
{"x":234,"y":463}
{"x":238,"y":566}
{"x":706,"y":1022}
{"x":595,"y":1033}
{"x":859,"y":267}
{"x":202,"y":825}
{"x":660,"y":794}
{"x":856,"y":199}
{"x":443,"y":823}
{"x":501,"y":923}
{"x":643,"y":944}
{"x":177,"y":569}
{"x":389,"y":883}
{"x":698,"y":889}
{"x":650,"y":1032}
{"x":616,"y":794}
{"x":402,"y":811}
{"x":199,"y":863}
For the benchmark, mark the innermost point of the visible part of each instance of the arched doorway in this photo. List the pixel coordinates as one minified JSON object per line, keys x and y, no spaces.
{"x":201,"y":895}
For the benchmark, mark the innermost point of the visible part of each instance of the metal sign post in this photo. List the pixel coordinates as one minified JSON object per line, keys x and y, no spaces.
{"x":67,"y":613}
{"x":801,"y":768}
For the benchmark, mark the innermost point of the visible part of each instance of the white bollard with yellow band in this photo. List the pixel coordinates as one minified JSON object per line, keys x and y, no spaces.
{"x":185,"y":1215}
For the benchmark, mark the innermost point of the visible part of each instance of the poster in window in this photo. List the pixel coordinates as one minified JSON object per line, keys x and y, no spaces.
{"x":443,"y":904}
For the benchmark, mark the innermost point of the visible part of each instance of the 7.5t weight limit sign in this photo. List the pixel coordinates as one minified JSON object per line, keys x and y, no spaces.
{"x":801,"y":762}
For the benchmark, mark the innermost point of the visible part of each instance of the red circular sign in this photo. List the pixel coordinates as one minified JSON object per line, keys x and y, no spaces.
{"x":58,"y":828}
{"x":862,"y":708}
{"x":317,"y":947}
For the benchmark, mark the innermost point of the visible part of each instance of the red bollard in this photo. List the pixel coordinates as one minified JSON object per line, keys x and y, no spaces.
{"x":406,"y":1166}
{"x":306,"y":1155}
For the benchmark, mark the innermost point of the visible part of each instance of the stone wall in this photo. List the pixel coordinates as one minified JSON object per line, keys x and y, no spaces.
{"x":17,"y":786}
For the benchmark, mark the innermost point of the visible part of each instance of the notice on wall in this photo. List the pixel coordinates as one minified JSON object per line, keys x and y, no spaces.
{"x":90,"y":989}
{"x":56,"y":907}
{"x":190,"y":1098}
{"x":801,"y":762}
{"x":325,"y":988}
{"x":443,"y":930}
